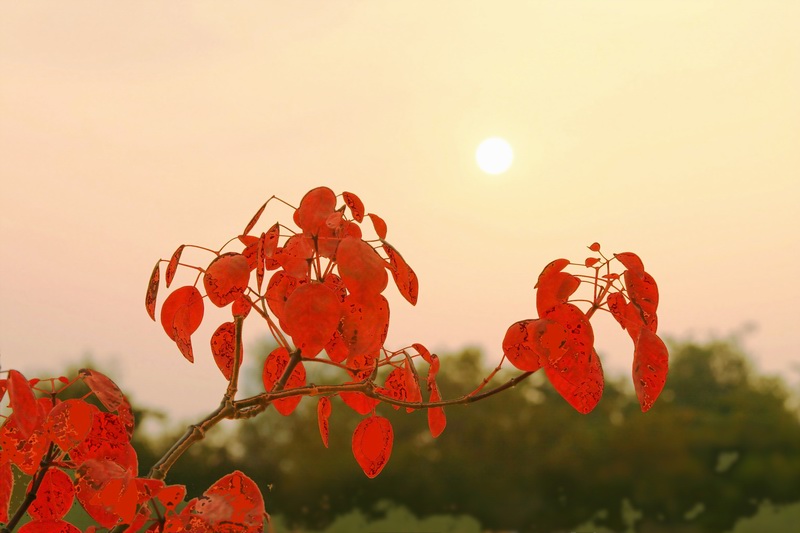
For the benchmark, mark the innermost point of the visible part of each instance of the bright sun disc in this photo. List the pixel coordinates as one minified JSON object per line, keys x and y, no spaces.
{"x":494,"y":155}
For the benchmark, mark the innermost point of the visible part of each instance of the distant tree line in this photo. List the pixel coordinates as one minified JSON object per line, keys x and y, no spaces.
{"x":722,"y":440}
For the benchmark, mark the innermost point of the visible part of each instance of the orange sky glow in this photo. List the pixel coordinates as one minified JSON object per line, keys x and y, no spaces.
{"x":670,"y":129}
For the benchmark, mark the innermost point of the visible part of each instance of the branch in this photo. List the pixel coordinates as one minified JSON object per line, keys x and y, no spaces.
{"x":196,"y":432}
{"x":233,"y":384}
{"x":31,"y":495}
{"x":294,"y":359}
{"x":193,"y":433}
{"x":258,"y":403}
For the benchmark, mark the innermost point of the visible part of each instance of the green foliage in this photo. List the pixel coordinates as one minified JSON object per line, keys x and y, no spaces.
{"x":392,"y":519}
{"x":721,"y":441}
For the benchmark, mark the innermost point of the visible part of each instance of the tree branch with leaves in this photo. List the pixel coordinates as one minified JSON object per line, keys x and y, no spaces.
{"x":323,"y":304}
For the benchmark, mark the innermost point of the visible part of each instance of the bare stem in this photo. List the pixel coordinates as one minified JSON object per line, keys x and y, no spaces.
{"x":233,"y":384}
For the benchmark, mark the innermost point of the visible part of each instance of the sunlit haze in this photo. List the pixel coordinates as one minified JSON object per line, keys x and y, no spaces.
{"x":494,"y":155}
{"x":669,"y":129}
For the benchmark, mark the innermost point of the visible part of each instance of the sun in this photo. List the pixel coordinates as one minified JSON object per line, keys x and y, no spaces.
{"x":494,"y":155}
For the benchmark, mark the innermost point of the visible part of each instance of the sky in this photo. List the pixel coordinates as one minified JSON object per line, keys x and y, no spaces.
{"x":669,"y":129}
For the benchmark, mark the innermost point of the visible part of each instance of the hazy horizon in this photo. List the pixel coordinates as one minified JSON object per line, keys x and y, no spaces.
{"x":667,"y":129}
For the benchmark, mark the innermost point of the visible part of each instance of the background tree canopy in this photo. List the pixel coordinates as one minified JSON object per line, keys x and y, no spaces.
{"x":721,"y":441}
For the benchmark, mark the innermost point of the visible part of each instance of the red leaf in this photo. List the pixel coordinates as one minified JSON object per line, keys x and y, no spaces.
{"x":372,"y":444}
{"x":106,"y":491}
{"x":108,"y":440}
{"x":615,"y":301}
{"x":295,"y":256}
{"x":181,"y":327}
{"x":577,"y":375}
{"x":518,"y":346}
{"x":49,"y":526}
{"x":69,"y":423}
{"x":312,"y":313}
{"x":248,"y":241}
{"x":55,"y":496}
{"x":6,"y":488}
{"x":23,"y":403}
{"x":650,"y":366}
{"x":271,"y":263}
{"x":355,"y":204}
{"x":590,"y":261}
{"x":152,"y":292}
{"x":223,"y":346}
{"x":336,"y":348}
{"x":404,"y":276}
{"x":396,"y":385}
{"x":171,"y":496}
{"x":181,"y":315}
{"x":433,"y":370}
{"x":351,"y":229}
{"x":359,"y":402}
{"x":365,"y":324}
{"x":552,"y":267}
{"x":631,"y":261}
{"x":241,"y":306}
{"x":172,"y":267}
{"x":423,"y":351}
{"x":226,"y":278}
{"x":254,"y":220}
{"x":378,"y":224}
{"x":360,"y":368}
{"x":25,"y":452}
{"x":329,"y":238}
{"x":580,"y":337}
{"x":530,"y":344}
{"x":261,"y":256}
{"x":643,"y":293}
{"x":335,"y":220}
{"x":315,"y":207}
{"x":431,"y":359}
{"x":336,"y":284}
{"x":595,"y":247}
{"x":274,"y":367}
{"x":360,"y":267}
{"x":436,"y":418}
{"x":279,"y":288}
{"x":106,"y":390}
{"x":323,"y":414}
{"x":271,"y":240}
{"x":250,"y":252}
{"x":232,"y":504}
{"x":554,"y":287}
{"x":147,"y":488}
{"x":125,"y":414}
{"x":578,"y":378}
{"x":626,"y":314}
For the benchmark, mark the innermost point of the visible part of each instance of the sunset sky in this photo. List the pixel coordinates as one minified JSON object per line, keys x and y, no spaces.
{"x":670,"y":129}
